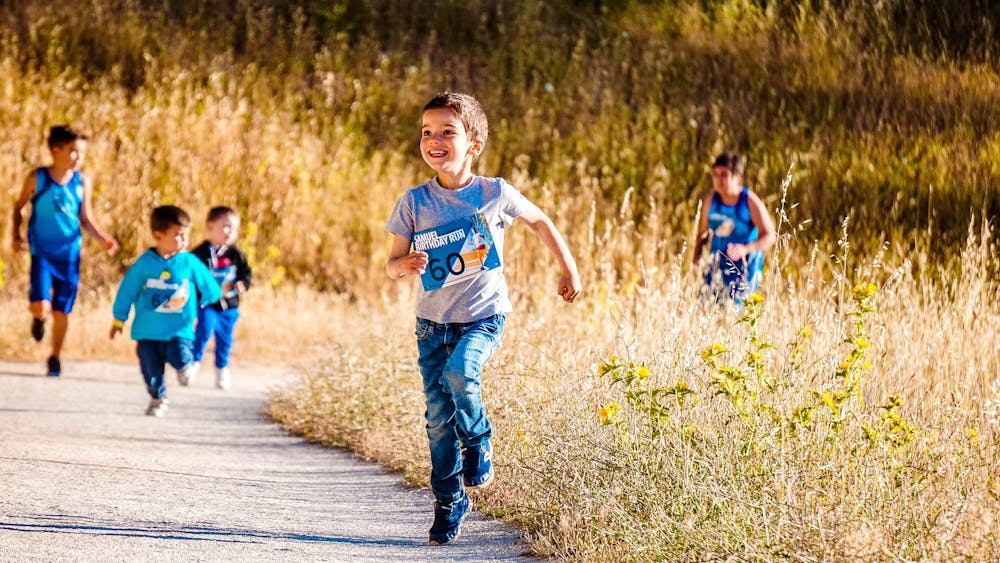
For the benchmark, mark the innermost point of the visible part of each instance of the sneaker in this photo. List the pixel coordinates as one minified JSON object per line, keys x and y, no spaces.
{"x":448,"y":520}
{"x":186,"y":376}
{"x":477,"y":465}
{"x":158,"y":407}
{"x":222,"y":380}
{"x":55,"y":366}
{"x":37,"y":329}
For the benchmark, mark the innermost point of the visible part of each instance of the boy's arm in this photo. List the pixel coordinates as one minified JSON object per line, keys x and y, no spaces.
{"x":244,"y":273}
{"x":402,"y":262}
{"x":27,"y":191}
{"x":209,"y":290}
{"x":702,"y":237}
{"x":766,"y":235}
{"x":569,"y":282}
{"x":128,"y":289}
{"x":87,"y":219}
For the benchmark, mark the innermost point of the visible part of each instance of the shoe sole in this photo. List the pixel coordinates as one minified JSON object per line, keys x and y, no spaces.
{"x":458,"y":532}
{"x":483,"y":485}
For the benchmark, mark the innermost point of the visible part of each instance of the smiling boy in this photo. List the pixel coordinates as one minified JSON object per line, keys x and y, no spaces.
{"x":450,"y":232}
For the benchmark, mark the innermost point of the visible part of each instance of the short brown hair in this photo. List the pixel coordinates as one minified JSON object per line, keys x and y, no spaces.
{"x":62,"y":135}
{"x":730,"y":160}
{"x":220,"y":211}
{"x":166,"y":216}
{"x":468,"y":109}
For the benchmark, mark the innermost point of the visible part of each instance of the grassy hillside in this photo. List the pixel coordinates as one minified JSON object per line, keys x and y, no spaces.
{"x":303,"y":113}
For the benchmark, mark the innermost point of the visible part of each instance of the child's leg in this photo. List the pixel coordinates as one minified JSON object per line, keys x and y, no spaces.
{"x":179,"y":353}
{"x":462,"y":374}
{"x":152,"y":358}
{"x":65,"y":279}
{"x":446,"y":461}
{"x":224,"y":326}
{"x":40,"y":288}
{"x":203,"y":331}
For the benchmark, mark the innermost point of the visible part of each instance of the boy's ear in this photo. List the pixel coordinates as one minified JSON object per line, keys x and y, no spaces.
{"x":477,"y":147}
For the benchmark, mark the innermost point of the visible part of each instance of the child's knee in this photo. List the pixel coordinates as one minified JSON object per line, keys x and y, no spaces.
{"x":463,"y":380}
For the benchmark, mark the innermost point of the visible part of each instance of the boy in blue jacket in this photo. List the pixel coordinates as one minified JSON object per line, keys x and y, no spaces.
{"x":159,"y":286}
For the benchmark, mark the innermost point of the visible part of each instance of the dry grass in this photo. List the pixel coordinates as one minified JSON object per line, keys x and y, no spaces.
{"x":782,"y":476}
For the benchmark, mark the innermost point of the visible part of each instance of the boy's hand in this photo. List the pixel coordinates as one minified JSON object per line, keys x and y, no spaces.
{"x":414,"y":263}
{"x":240,"y":288}
{"x":116,"y":328}
{"x":570,"y":287}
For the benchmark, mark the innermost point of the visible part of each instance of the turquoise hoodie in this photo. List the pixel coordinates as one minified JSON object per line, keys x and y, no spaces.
{"x":162,"y":293}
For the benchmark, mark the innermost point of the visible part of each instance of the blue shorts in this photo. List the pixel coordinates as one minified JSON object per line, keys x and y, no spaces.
{"x":54,"y":280}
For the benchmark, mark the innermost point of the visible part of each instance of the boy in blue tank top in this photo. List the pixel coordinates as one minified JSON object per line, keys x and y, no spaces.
{"x":738,"y":228}
{"x":166,"y":286}
{"x":450,"y":232}
{"x":60,"y":197}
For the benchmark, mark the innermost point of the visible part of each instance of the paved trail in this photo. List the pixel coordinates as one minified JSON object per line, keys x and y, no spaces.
{"x":86,"y":476}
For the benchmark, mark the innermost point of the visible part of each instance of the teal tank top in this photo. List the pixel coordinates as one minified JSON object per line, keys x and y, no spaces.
{"x":731,"y":224}
{"x":54,"y":226}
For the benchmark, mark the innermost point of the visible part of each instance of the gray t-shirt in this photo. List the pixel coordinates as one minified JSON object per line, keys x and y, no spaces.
{"x":428,"y":206}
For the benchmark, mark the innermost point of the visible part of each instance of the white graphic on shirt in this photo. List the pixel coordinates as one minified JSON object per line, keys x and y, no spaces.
{"x":166,"y":296}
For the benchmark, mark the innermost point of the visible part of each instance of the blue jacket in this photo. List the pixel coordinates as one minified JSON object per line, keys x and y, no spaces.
{"x":160,"y":289}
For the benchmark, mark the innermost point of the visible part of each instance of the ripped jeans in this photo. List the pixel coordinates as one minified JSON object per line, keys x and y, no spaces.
{"x":452,"y":357}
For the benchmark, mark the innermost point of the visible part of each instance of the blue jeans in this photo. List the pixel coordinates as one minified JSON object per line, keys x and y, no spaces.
{"x":154,"y":355}
{"x":451,"y":361}
{"x":221,"y":324}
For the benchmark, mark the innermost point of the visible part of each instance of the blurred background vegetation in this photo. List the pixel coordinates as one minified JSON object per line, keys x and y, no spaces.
{"x":304,"y":115}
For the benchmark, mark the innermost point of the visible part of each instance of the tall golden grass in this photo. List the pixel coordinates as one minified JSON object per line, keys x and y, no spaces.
{"x":830,"y":443}
{"x":303,"y":115}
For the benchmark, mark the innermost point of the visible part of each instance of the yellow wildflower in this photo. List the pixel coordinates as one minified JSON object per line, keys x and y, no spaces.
{"x":609,"y":412}
{"x":970,"y":433}
{"x":806,"y":332}
{"x":756,"y":298}
{"x":861,"y":342}
{"x":642,"y":372}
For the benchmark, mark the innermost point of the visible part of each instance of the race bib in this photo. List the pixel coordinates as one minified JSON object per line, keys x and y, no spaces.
{"x":457,"y":251}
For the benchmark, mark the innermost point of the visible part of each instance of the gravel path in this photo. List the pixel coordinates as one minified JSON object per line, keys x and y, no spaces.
{"x":86,"y":476}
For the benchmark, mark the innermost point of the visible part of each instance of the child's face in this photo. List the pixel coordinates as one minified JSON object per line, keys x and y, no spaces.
{"x":69,"y":156}
{"x":223,"y":231}
{"x":172,"y":240}
{"x":725,"y":180}
{"x":445,"y":145}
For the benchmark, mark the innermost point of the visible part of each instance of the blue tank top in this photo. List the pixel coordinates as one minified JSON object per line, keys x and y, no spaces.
{"x":54,"y":226}
{"x":731,"y":224}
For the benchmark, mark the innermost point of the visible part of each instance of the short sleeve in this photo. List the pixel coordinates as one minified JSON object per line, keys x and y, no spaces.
{"x":401,"y":221}
{"x":513,"y":204}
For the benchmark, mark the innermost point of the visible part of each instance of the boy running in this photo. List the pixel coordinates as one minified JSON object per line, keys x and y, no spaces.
{"x":60,"y":197}
{"x":450,"y":232}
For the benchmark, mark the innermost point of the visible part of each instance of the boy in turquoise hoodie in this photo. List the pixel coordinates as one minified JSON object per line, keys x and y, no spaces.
{"x":159,"y":286}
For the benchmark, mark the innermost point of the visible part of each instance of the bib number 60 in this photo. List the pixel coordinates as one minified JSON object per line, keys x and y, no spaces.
{"x":453,"y":263}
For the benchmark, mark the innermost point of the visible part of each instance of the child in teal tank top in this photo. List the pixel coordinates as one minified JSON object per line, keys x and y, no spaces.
{"x":60,"y":197}
{"x":739,"y":230}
